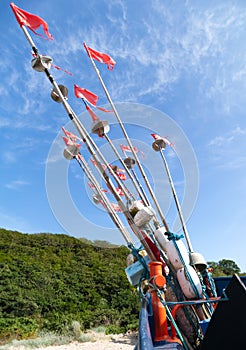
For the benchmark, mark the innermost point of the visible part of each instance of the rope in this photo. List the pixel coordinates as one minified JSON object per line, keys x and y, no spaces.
{"x":135,"y":252}
{"x":174,"y":237}
{"x":180,"y":297}
{"x":207,"y":276}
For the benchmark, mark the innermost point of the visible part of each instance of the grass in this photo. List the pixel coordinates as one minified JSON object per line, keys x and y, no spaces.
{"x":45,"y":339}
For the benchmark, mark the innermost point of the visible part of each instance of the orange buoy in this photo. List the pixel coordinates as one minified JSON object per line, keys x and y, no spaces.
{"x":159,"y":310}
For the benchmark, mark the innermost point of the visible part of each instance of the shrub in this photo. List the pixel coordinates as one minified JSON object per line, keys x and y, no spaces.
{"x":17,"y":328}
{"x":112,"y":329}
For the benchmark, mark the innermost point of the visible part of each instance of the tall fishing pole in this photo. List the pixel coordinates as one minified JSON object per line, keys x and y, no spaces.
{"x":41,"y":64}
{"x":130,"y":162}
{"x":72,"y":152}
{"x":101,"y":128}
{"x":159,"y":145}
{"x":128,"y":140}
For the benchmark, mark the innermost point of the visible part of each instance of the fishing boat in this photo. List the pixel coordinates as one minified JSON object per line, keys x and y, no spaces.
{"x":180,"y":306}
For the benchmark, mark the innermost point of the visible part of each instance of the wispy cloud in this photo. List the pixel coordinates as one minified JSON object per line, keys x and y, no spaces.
{"x":9,"y":157}
{"x":228,"y":138}
{"x":227,"y":150}
{"x":16,"y":184}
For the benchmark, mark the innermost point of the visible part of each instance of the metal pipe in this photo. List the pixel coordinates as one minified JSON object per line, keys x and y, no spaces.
{"x":86,"y":169}
{"x":128,"y":141}
{"x":90,"y":144}
{"x":177,"y":203}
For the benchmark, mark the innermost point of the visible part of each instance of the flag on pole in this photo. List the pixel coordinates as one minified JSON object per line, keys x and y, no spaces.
{"x":89,"y":96}
{"x":128,"y":149}
{"x":70,"y":135}
{"x":116,"y":207}
{"x":53,"y":65}
{"x":116,"y":169}
{"x":69,"y":142}
{"x":95,"y":163}
{"x":157,"y":137}
{"x":86,"y":95}
{"x":31,"y":21}
{"x":119,"y":191}
{"x":100,"y":57}
{"x":93,"y":187}
{"x":59,"y":68}
{"x":121,"y":176}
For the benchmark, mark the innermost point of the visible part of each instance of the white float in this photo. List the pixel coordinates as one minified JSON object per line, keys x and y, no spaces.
{"x":177,"y":254}
{"x":185,"y":284}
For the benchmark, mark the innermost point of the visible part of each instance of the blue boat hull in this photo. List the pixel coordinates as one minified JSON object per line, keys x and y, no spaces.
{"x":225,"y":331}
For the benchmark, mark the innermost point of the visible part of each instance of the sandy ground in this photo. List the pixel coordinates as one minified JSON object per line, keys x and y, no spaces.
{"x":113,"y":342}
{"x":117,"y":344}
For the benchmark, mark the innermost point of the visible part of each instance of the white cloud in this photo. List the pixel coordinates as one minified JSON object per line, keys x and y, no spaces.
{"x":9,"y":157}
{"x":16,"y":184}
{"x":228,"y":151}
{"x":227,"y":138}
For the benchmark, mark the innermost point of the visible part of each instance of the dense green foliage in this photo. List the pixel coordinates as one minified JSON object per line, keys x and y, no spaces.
{"x":49,"y":280}
{"x":224,"y":267}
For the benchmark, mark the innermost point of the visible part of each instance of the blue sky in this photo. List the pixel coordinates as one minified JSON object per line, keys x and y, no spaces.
{"x":180,"y":71}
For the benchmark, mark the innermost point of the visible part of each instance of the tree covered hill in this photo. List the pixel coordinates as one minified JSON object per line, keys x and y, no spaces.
{"x":49,"y":280}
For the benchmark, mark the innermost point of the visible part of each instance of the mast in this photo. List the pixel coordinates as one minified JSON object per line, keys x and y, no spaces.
{"x":159,"y":145}
{"x":128,"y":140}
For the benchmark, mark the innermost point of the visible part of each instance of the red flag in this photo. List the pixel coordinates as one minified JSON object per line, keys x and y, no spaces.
{"x":53,"y":65}
{"x":128,"y":149}
{"x":119,"y":191}
{"x":89,"y":97}
{"x":121,"y":176}
{"x":116,"y":207}
{"x":94,"y":163}
{"x":116,"y":169}
{"x":69,"y":142}
{"x":157,"y":137}
{"x":100,"y":57}
{"x":92,"y":114}
{"x":92,"y":186}
{"x":59,"y":68}
{"x":70,"y":135}
{"x":85,"y":94}
{"x":31,"y":21}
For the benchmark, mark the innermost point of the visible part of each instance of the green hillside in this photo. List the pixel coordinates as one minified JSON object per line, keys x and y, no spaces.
{"x":49,"y":280}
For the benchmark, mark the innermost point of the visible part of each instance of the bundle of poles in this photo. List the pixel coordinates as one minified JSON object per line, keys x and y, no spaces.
{"x":127,"y":203}
{"x":106,"y":171}
{"x":42,"y":63}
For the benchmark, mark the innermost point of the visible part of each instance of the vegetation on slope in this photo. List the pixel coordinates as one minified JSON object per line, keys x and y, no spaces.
{"x":49,"y":280}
